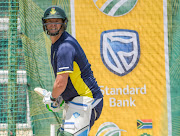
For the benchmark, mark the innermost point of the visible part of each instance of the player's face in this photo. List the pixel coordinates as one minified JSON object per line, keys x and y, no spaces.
{"x":53,"y":24}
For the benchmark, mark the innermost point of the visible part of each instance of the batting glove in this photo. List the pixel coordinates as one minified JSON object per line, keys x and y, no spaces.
{"x":52,"y":105}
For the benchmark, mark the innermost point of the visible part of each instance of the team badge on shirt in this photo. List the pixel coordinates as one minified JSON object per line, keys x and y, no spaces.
{"x":120,"y":50}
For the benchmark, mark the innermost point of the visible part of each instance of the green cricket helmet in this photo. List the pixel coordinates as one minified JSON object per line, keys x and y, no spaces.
{"x":54,"y":12}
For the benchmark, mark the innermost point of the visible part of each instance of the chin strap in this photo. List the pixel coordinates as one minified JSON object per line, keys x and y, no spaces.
{"x":54,"y":34}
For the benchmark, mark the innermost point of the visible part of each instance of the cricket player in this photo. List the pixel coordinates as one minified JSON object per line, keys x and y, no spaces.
{"x":74,"y":80}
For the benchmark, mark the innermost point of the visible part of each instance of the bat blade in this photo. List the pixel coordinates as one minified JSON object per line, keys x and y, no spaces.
{"x":41,"y":92}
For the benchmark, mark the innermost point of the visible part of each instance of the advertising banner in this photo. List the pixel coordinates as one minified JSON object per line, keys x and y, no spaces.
{"x":125,"y":42}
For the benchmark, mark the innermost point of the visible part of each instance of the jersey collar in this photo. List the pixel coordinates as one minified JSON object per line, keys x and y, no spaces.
{"x":61,"y":39}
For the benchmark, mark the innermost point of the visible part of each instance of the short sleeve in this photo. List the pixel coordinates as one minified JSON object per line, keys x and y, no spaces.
{"x":65,"y":58}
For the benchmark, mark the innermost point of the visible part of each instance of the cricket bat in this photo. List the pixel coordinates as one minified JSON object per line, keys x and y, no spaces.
{"x":40,"y":91}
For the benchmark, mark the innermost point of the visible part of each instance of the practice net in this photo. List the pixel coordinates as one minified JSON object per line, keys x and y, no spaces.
{"x":25,"y":64}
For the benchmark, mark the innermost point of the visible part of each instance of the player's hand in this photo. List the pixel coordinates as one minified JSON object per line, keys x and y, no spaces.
{"x":53,"y":106}
{"x":60,"y":101}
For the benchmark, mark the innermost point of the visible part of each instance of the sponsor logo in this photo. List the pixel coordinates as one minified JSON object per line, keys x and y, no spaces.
{"x":76,"y":114}
{"x":63,"y":68}
{"x":109,"y":129}
{"x":120,"y":50}
{"x":115,"y":7}
{"x":145,"y":134}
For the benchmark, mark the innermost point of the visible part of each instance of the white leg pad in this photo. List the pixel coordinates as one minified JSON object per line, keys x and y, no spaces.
{"x":77,"y":114}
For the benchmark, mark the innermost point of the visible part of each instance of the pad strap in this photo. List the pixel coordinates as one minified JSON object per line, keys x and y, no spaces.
{"x":81,"y":106}
{"x":95,"y":103}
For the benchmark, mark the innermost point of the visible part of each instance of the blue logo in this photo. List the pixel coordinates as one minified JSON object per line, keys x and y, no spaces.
{"x":76,"y":114}
{"x":120,"y":50}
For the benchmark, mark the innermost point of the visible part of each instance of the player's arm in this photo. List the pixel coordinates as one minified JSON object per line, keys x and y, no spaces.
{"x":60,"y":84}
{"x":65,"y":57}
